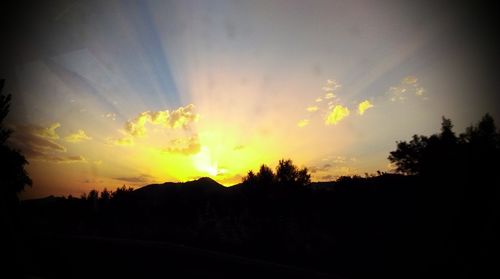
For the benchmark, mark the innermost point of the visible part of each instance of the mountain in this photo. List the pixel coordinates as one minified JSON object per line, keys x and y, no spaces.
{"x":201,"y":186}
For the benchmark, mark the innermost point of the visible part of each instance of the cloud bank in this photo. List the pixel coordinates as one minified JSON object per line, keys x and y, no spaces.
{"x":179,"y":118}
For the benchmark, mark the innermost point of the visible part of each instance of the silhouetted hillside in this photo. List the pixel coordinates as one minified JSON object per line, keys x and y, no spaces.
{"x":201,"y":188}
{"x":438,"y":217}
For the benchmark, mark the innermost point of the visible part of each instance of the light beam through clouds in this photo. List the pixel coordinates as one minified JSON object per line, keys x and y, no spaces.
{"x":171,"y":91}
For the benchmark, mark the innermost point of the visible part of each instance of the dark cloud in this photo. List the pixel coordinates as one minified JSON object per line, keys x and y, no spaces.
{"x":61,"y":159}
{"x":324,"y":167}
{"x":41,"y":146}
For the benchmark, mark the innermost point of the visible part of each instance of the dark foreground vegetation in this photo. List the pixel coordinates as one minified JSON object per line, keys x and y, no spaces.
{"x":437,"y":217}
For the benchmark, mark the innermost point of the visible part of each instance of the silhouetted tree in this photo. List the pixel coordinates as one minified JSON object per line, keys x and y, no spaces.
{"x":447,"y":135}
{"x":13,"y":179}
{"x":121,"y":192}
{"x":13,"y":176}
{"x":483,"y":136}
{"x":408,"y":156}
{"x":265,"y":176}
{"x":93,"y":198}
{"x":250,"y":178}
{"x":432,"y":155}
{"x":288,"y":174}
{"x":105,"y":195}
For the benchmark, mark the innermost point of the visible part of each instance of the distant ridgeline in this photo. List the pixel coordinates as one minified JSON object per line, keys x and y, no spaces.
{"x":437,"y":216}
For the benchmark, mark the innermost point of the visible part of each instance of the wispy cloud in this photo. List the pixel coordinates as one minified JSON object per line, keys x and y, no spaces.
{"x":409,"y":80}
{"x":408,"y":86}
{"x":322,"y":168}
{"x":329,"y":95}
{"x":63,"y":159}
{"x":312,"y":108}
{"x":47,"y":132}
{"x":124,"y":141}
{"x":143,"y":178}
{"x":78,"y":136}
{"x":331,"y":85}
{"x":420,"y":91}
{"x":110,"y":115}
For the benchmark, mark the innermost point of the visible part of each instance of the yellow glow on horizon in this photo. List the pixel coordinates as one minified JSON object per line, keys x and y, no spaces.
{"x":223,"y":155}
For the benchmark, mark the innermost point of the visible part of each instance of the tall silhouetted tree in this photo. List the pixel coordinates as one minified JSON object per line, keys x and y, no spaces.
{"x":13,"y":179}
{"x":93,"y":198}
{"x":13,"y":176}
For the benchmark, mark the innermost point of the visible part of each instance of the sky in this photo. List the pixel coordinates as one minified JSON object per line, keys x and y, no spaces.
{"x":111,"y":93}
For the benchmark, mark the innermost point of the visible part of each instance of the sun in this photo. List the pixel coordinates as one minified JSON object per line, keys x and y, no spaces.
{"x":204,"y":162}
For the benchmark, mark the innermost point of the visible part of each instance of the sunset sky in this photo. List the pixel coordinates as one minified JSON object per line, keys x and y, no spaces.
{"x":107,"y":93}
